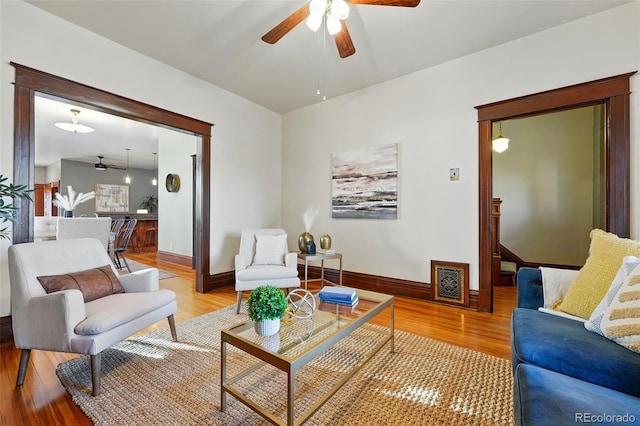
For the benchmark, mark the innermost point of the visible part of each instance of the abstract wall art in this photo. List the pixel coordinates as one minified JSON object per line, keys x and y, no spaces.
{"x":364,"y":183}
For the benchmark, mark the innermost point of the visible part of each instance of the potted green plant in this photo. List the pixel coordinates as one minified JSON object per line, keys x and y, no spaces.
{"x":149,"y":203}
{"x":266,"y":305}
{"x":8,"y":209}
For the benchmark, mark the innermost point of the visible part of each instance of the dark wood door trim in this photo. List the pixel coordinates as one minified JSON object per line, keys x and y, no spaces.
{"x":614,"y":93}
{"x":29,"y":81}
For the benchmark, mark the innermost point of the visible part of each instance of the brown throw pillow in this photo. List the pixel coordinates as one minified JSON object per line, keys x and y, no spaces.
{"x":93,"y":283}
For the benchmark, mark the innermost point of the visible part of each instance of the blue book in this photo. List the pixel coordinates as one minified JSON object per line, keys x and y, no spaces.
{"x":347,"y":294}
{"x":351,"y":303}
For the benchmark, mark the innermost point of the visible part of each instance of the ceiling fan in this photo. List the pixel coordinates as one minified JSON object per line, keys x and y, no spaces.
{"x":102,"y":166}
{"x":333,"y":13}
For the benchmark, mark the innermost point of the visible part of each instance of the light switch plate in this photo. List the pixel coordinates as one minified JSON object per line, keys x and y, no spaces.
{"x":454,"y":174}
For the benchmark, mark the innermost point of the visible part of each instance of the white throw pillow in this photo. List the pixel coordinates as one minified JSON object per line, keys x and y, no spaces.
{"x":629,"y":263}
{"x":621,"y":319}
{"x":555,"y":283}
{"x":270,"y":249}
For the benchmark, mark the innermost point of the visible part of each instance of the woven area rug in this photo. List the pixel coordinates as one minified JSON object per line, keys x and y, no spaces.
{"x":153,"y":380}
{"x":136,"y":266}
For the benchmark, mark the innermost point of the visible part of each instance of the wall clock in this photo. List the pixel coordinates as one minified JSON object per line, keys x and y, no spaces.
{"x":172,"y":183}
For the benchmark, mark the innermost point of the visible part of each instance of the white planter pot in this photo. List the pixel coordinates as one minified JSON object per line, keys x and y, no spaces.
{"x":267,"y":327}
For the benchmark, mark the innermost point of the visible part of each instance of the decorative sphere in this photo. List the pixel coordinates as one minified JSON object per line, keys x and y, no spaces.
{"x":302,"y":302}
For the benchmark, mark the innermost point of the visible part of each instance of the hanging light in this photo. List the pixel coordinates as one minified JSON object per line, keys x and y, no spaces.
{"x":154,"y":181}
{"x":74,"y":127}
{"x":500,"y":144}
{"x":127,"y":178}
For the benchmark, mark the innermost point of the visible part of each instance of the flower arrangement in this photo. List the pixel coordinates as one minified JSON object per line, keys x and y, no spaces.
{"x":71,"y":201}
{"x":7,"y":210}
{"x":266,"y":303}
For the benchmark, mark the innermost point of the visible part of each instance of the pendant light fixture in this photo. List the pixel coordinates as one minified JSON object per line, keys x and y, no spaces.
{"x":74,"y":126}
{"x":127,"y":178}
{"x":154,"y":181}
{"x":500,"y":144}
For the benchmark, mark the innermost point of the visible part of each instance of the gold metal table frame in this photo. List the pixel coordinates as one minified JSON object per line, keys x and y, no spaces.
{"x":321,"y":257}
{"x":333,"y":323}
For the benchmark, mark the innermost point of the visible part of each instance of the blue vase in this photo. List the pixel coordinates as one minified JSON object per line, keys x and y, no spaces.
{"x":311,"y":247}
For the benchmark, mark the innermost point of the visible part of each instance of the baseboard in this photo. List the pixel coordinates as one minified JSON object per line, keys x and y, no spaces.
{"x":220,"y":280}
{"x":387,"y":285}
{"x":179,"y":259}
{"x":6,"y":332}
{"x":395,"y":286}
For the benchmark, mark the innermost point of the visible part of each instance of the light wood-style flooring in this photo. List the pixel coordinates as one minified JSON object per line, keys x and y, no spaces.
{"x":43,"y":401}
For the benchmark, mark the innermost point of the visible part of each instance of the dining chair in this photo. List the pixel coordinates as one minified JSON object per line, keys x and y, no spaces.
{"x":122,"y":242}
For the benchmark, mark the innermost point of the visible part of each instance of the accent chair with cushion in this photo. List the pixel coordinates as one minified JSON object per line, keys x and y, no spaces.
{"x":66,"y":296}
{"x":264,"y":258}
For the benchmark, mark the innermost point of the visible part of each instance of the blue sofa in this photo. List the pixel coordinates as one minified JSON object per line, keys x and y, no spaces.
{"x":564,"y":374}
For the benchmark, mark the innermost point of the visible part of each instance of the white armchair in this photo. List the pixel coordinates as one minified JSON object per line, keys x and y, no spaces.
{"x":263,"y":259}
{"x":61,"y":320}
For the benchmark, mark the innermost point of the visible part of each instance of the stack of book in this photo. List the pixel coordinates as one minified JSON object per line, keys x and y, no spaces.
{"x":340,"y":295}
{"x":325,"y":251}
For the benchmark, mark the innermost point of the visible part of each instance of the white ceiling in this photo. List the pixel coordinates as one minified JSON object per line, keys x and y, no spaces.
{"x":219,"y":42}
{"x":109,"y":139}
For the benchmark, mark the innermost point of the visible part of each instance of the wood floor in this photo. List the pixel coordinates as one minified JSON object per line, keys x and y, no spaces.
{"x":43,"y":401}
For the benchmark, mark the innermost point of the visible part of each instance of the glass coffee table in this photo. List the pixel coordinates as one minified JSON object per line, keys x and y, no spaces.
{"x":300,"y":342}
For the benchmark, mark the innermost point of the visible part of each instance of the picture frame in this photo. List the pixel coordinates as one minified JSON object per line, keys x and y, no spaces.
{"x":364,"y":183}
{"x":450,"y":282}
{"x":111,"y":198}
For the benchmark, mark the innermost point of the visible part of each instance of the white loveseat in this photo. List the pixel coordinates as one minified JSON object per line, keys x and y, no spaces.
{"x":62,"y":321}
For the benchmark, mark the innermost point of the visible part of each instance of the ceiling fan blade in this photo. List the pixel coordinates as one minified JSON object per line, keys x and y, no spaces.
{"x":287,"y":25}
{"x":344,"y":42}
{"x":401,"y":3}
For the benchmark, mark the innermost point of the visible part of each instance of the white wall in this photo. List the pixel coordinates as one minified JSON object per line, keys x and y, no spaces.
{"x":431,"y":115}
{"x":175,"y":209}
{"x":545,"y":182}
{"x":245,"y":159}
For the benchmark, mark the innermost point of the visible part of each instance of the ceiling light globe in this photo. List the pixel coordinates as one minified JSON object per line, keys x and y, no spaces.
{"x":333,"y":25}
{"x":500,"y":145}
{"x":340,"y":9}
{"x":318,"y":7}
{"x":75,"y":128}
{"x":314,"y":21}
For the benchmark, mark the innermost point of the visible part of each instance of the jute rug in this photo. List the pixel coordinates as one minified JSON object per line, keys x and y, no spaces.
{"x":137,"y":266}
{"x":152,"y":380}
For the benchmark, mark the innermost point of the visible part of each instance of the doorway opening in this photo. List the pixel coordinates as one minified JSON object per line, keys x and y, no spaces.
{"x":29,"y":81}
{"x":614,"y":93}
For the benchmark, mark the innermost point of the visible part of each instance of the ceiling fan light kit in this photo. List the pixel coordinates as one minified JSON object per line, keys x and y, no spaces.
{"x":74,"y":127}
{"x":100,"y":166}
{"x":333,"y":13}
{"x":334,"y":10}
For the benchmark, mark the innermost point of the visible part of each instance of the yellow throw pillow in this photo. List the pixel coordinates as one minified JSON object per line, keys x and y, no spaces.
{"x":594,"y":279}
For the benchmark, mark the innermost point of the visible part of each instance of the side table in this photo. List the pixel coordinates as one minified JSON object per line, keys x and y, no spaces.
{"x":321,"y":257}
